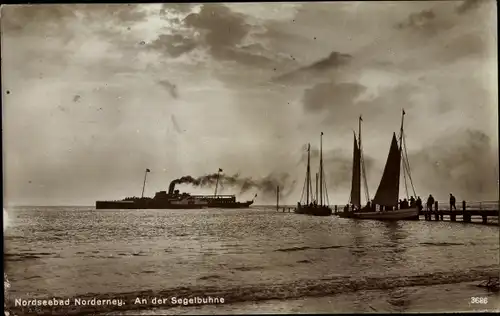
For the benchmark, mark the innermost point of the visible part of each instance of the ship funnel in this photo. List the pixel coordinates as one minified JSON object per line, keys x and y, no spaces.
{"x":171,"y":187}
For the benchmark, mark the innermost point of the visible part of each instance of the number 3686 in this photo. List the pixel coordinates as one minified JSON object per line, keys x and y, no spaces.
{"x":479,"y":300}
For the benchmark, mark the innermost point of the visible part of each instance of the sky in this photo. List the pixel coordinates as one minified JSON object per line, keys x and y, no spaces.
{"x":94,"y":94}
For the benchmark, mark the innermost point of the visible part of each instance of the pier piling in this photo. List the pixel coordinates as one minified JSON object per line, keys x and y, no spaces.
{"x":467,"y":218}
{"x":278,"y":198}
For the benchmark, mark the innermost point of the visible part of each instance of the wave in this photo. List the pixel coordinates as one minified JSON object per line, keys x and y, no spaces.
{"x":306,"y":248}
{"x":28,"y":256}
{"x":259,"y":292}
{"x":441,"y":244}
{"x":368,"y":246}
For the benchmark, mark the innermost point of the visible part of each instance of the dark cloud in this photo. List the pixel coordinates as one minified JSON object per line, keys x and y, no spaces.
{"x":224,"y":28}
{"x":464,"y":164}
{"x":223,"y":34}
{"x":18,"y":18}
{"x":333,"y":61}
{"x":469,"y":5}
{"x":466,"y":45}
{"x":174,"y":45}
{"x":171,"y":88}
{"x":333,"y":96}
{"x":440,"y":17}
{"x":52,"y":17}
{"x":418,"y":20}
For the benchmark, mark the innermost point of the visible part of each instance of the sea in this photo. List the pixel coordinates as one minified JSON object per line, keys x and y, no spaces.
{"x":240,"y":261}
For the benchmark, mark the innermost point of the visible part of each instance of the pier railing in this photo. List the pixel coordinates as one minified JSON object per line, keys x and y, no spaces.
{"x":473,"y":206}
{"x":445,"y":206}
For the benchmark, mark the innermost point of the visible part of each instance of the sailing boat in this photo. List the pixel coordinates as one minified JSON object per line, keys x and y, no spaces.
{"x":318,"y":207}
{"x":385,"y":202}
{"x":358,"y":174}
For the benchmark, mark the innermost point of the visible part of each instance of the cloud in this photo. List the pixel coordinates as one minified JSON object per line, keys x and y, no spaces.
{"x":217,"y":29}
{"x":333,"y":61}
{"x":176,"y":7}
{"x":464,"y":164}
{"x":418,"y":20}
{"x":337,"y":166}
{"x":335,"y":97}
{"x":341,"y":59}
{"x":171,"y":88}
{"x":469,"y":5}
{"x":174,"y":45}
{"x":51,"y":17}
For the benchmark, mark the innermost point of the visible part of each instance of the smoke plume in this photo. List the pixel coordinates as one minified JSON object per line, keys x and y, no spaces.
{"x":266,"y":186}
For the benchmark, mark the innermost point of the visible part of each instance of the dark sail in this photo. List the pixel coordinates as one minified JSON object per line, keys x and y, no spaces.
{"x":356,"y":176}
{"x":388,"y":189}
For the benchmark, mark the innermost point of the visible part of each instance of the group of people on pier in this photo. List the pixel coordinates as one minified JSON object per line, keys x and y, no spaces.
{"x":404,"y":204}
{"x":431,"y":202}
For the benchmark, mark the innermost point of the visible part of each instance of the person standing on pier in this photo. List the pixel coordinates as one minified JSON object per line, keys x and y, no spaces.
{"x":430,"y":202}
{"x":419,"y":203}
{"x":452,"y":202}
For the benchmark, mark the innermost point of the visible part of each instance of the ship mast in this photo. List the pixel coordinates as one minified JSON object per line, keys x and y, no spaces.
{"x":308,"y":173}
{"x":317,"y":174}
{"x":321,"y":169}
{"x":217,"y":181}
{"x":404,"y":159}
{"x":362,"y":162}
{"x":144,"y":184}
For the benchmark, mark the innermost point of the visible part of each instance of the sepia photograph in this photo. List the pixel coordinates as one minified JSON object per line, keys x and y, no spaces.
{"x":250,"y":158}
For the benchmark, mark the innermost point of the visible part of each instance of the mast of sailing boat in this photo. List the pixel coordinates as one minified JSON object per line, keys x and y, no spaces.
{"x":358,"y":171}
{"x":316,"y":196}
{"x":404,"y":159}
{"x":355,"y":199}
{"x":321,"y":170}
{"x":308,"y":173}
{"x":387,"y":195}
{"x":359,"y":159}
{"x":362,"y":164}
{"x":401,"y":148}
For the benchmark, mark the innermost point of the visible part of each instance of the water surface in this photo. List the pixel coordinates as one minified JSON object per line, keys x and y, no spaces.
{"x":245,"y":256}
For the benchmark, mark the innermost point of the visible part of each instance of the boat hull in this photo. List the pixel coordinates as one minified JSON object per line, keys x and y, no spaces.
{"x":231,"y":205}
{"x":314,"y":210}
{"x":395,"y":215}
{"x":120,"y":205}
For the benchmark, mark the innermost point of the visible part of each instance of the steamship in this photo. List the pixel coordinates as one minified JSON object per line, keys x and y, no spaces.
{"x":173,"y":199}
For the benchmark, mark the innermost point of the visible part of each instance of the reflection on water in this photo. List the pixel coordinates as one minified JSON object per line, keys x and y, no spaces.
{"x":358,"y":240}
{"x":396,"y":235}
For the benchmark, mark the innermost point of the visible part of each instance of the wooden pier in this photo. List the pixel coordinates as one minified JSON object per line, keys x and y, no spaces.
{"x":467,"y":211}
{"x":287,"y":209}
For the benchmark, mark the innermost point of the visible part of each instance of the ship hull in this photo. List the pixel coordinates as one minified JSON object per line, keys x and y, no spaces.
{"x":402,"y":214}
{"x":230,"y":205}
{"x":314,"y":210}
{"x":120,"y":205}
